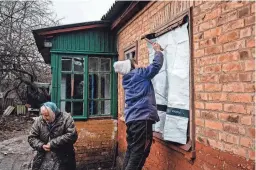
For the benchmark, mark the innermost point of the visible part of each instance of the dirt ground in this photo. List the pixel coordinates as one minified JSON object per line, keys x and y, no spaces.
{"x":13,"y":126}
{"x":15,"y":152}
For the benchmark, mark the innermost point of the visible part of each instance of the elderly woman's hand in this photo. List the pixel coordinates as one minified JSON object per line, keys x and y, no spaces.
{"x":47,"y":147}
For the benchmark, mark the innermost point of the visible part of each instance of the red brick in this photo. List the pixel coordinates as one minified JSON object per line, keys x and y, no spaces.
{"x":211,"y":69}
{"x":253,"y":52}
{"x":213,"y":50}
{"x":245,"y":54}
{"x":230,"y":36}
{"x":228,"y":6}
{"x":199,"y":87}
{"x":253,"y":8}
{"x":234,"y":66}
{"x":231,"y":128}
{"x":246,"y":32}
{"x":249,"y":88}
{"x":217,"y":96}
{"x":242,"y":98}
{"x":250,"y":43}
{"x":209,"y":115}
{"x":249,"y":65}
{"x":235,"y":108}
{"x":229,"y":78}
{"x":212,"y":15}
{"x":210,"y":78}
{"x":222,"y":136}
{"x":213,"y":87}
{"x":250,"y":20}
{"x":198,"y":37}
{"x":244,"y":12}
{"x":250,"y":109}
{"x":207,"y":60}
{"x":245,"y":76}
{"x":209,"y":42}
{"x":234,"y":45}
{"x":225,"y":18}
{"x":201,"y":96}
{"x":200,"y":122}
{"x":207,"y":6}
{"x":252,"y":154}
{"x":196,"y":46}
{"x":213,"y":125}
{"x":212,"y":32}
{"x":199,"y":53}
{"x":213,"y":106}
{"x":240,"y":151}
{"x":229,"y":117}
{"x":233,"y":25}
{"x":211,"y":133}
{"x":199,"y":105}
{"x":233,"y":87}
{"x":247,"y":142}
{"x":207,"y":25}
{"x":227,"y":57}
{"x":246,"y":120}
{"x":215,"y":144}
{"x":198,"y":113}
{"x":251,"y":132}
{"x":233,"y":139}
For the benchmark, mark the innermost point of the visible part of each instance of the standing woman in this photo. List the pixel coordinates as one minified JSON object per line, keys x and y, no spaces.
{"x":52,"y":135}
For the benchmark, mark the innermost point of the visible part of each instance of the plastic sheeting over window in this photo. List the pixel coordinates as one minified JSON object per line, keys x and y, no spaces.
{"x":172,"y":85}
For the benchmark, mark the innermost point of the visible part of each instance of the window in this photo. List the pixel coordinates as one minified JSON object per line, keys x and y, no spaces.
{"x":72,"y":85}
{"x":86,"y":91}
{"x":99,"y":86}
{"x":131,"y":52}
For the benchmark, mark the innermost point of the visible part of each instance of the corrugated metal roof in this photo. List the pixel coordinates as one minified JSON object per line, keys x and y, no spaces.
{"x":115,"y":10}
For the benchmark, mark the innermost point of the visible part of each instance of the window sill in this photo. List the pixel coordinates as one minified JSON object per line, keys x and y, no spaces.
{"x":183,"y":149}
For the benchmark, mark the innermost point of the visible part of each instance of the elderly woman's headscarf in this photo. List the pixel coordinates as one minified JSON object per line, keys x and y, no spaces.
{"x":54,"y":111}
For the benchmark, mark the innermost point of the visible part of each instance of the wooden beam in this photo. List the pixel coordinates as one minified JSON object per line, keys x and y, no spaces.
{"x":73,"y":29}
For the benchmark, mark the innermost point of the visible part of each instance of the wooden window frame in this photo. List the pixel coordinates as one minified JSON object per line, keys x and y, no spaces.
{"x":189,"y":148}
{"x":132,"y":48}
{"x":113,"y":87}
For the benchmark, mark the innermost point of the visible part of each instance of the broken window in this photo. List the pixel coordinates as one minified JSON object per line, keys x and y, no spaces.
{"x":99,"y":86}
{"x":72,"y":85}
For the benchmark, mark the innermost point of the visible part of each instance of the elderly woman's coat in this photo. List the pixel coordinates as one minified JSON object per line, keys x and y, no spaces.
{"x":61,"y":135}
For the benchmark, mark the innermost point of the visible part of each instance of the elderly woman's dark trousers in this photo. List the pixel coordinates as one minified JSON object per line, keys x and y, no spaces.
{"x":139,"y":136}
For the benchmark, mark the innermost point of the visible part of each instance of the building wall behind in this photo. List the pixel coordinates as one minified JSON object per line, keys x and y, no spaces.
{"x":224,"y":56}
{"x":96,"y":144}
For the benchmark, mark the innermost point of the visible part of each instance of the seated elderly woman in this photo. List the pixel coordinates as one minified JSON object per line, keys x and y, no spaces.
{"x":52,"y":135}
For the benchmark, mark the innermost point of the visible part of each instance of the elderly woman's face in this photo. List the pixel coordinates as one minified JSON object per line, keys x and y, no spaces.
{"x":46,"y":114}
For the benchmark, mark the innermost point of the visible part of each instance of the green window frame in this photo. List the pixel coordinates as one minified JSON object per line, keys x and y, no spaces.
{"x":98,"y":85}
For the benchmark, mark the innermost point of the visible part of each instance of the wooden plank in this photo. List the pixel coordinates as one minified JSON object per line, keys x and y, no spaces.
{"x":8,"y":111}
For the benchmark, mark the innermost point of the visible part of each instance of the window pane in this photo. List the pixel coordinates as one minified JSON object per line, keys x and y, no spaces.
{"x":105,"y":107}
{"x":78,"y":86}
{"x":65,"y":86}
{"x":66,"y":64}
{"x":105,"y":64}
{"x":78,"y":64}
{"x":78,"y":108}
{"x":105,"y":86}
{"x":65,"y":106}
{"x":93,"y":86}
{"x":94,"y":108}
{"x":93,"y":64}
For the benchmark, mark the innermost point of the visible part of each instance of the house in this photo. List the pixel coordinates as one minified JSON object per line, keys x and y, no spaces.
{"x":215,"y":65}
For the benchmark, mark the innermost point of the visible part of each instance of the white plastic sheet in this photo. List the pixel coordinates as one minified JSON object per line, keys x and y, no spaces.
{"x":172,"y":84}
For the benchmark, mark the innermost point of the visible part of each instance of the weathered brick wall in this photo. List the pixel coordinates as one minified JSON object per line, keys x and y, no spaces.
{"x":95,"y":147}
{"x":224,"y":68}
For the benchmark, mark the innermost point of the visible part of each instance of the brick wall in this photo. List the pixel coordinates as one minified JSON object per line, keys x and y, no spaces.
{"x":224,"y":56}
{"x":95,"y":147}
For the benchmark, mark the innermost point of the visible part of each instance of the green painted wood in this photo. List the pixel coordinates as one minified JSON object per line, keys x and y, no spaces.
{"x":91,"y":40}
{"x":83,"y":52}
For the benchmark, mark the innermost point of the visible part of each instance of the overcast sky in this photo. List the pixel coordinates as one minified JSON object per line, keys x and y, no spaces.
{"x":75,"y":11}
